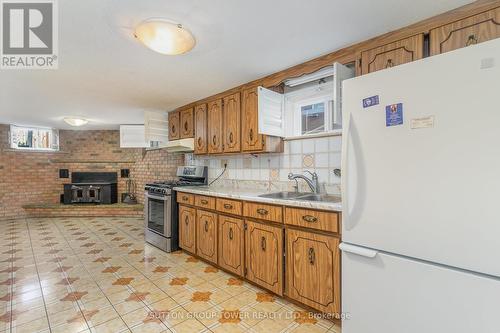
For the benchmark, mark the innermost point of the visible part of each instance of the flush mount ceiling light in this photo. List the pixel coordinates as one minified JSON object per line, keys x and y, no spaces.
{"x":164,"y":36}
{"x":73,"y":121}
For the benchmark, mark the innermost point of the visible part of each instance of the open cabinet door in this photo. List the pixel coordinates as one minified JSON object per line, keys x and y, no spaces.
{"x":271,"y":112}
{"x":340,"y":73}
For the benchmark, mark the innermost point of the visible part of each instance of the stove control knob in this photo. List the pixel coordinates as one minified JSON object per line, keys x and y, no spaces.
{"x":164,"y":191}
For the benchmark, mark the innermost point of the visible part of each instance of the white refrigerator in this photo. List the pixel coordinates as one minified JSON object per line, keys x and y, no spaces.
{"x":421,"y":196}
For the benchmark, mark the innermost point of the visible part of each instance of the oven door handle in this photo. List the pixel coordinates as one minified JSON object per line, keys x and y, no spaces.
{"x":165,"y":198}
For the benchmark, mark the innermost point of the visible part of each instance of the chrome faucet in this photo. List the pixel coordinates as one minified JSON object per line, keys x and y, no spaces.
{"x":312,"y":182}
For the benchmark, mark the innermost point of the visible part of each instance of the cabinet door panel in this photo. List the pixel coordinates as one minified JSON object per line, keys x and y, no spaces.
{"x":231,"y":244}
{"x":173,"y":126}
{"x":264,"y":256}
{"x":187,"y":228}
{"x":251,"y":140}
{"x":231,"y":128}
{"x":206,"y":235}
{"x":215,"y":127}
{"x":313,"y":270}
{"x":186,"y":123}
{"x":393,"y":54}
{"x":472,"y":30}
{"x":200,"y":129}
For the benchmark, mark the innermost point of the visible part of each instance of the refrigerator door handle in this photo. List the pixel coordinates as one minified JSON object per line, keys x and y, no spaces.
{"x":343,"y":166}
{"x":360,"y":251}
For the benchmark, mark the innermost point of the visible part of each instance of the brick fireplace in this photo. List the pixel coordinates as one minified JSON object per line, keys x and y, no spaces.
{"x":33,"y":177}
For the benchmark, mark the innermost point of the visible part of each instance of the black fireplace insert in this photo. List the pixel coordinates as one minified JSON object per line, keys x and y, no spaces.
{"x":92,"y":187}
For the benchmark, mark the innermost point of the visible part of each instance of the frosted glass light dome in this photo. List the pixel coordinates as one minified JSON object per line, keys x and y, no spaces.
{"x":165,"y":37}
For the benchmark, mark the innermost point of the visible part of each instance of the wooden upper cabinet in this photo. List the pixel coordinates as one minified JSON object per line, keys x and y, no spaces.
{"x":231,"y":244}
{"x":251,"y":140}
{"x":206,"y":235}
{"x":393,"y":54}
{"x":215,"y":123}
{"x":264,"y":256}
{"x":472,"y":30}
{"x":200,"y":129}
{"x":313,"y":270}
{"x":173,"y":126}
{"x":186,"y":123}
{"x":187,"y":228}
{"x":232,"y":123}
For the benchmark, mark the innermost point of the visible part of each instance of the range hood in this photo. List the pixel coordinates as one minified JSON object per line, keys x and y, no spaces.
{"x":182,"y":145}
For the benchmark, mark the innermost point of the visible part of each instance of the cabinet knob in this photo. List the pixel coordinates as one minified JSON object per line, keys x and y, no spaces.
{"x":200,"y":142}
{"x":184,"y":198}
{"x":262,"y":211}
{"x":263,"y":243}
{"x":204,"y":202}
{"x":206,"y":226}
{"x":228,"y":206}
{"x":186,"y":126}
{"x":312,"y":256}
{"x":186,"y":220}
{"x":214,"y":140}
{"x":173,"y":129}
{"x":231,"y":233}
{"x":389,"y":63}
{"x":472,"y":40}
{"x":250,"y":134}
{"x":309,"y":218}
{"x":231,"y":137}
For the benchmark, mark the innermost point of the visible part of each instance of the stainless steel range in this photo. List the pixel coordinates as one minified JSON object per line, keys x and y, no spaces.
{"x":161,"y":208}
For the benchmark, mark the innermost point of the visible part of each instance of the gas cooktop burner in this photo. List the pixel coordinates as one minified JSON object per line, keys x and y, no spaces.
{"x":189,"y":176}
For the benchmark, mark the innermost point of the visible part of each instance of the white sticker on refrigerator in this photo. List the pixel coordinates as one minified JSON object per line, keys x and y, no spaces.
{"x":425,"y":122}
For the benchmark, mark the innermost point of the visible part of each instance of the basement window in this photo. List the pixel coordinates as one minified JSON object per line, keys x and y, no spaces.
{"x":34,"y":138}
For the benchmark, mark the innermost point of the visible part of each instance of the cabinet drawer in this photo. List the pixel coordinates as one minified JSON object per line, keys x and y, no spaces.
{"x":204,"y":202}
{"x":229,"y":206}
{"x":185,"y":198}
{"x":263,"y":212}
{"x":327,"y":221}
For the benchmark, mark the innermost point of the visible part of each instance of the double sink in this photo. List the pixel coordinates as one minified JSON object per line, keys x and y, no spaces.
{"x":302,"y":196}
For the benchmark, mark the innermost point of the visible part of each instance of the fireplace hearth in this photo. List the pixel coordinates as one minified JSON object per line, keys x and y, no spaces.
{"x":92,"y":188}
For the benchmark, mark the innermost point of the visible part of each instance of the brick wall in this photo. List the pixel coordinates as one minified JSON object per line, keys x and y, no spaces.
{"x":33,"y":177}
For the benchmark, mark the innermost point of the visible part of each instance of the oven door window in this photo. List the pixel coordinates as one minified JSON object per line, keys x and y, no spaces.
{"x":156,"y":215}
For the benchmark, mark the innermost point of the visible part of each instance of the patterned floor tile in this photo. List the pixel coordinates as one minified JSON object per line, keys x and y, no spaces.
{"x":98,"y":275}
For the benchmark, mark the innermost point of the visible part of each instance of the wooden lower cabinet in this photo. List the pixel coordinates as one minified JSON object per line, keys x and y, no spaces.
{"x":264,"y":255}
{"x":206,"y":235}
{"x":187,"y":228}
{"x":313,"y":270}
{"x":231,"y":244}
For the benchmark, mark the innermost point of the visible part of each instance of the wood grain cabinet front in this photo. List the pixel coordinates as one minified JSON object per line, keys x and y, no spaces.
{"x":313,"y":270}
{"x":187,"y":123}
{"x":231,"y":244}
{"x":392,"y":54}
{"x":206,"y":235}
{"x":251,"y":140}
{"x":307,"y":218}
{"x":469,"y":31}
{"x":185,"y":198}
{"x":204,"y":202}
{"x":215,"y":123}
{"x":264,"y":255}
{"x":187,"y":228}
{"x":174,"y":132}
{"x":200,"y":129}
{"x":232,"y":123}
{"x":262,"y":211}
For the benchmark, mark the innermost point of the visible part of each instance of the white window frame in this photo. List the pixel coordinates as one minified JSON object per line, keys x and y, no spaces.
{"x":53,"y":137}
{"x":297,"y":114}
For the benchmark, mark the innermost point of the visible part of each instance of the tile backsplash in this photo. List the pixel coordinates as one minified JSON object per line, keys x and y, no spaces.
{"x":320,"y":155}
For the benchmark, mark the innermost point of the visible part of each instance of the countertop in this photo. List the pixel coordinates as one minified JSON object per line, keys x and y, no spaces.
{"x":253,"y":195}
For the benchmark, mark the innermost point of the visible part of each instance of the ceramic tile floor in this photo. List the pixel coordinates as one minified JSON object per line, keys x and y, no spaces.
{"x":98,"y":275}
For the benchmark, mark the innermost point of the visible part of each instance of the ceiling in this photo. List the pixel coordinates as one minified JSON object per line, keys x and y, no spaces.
{"x":108,"y":77}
